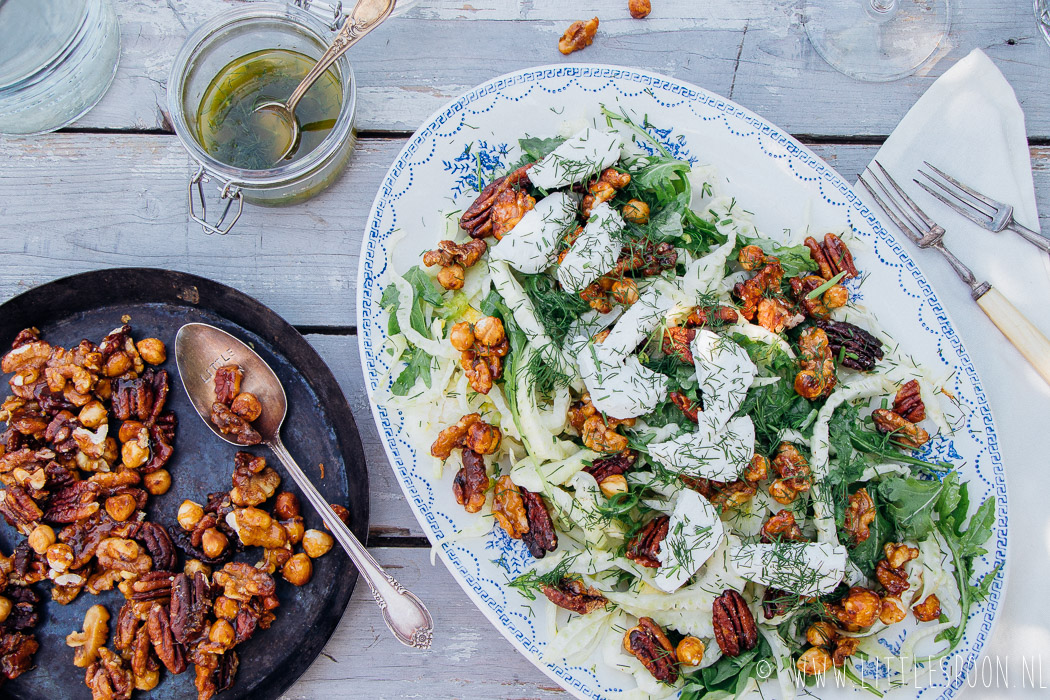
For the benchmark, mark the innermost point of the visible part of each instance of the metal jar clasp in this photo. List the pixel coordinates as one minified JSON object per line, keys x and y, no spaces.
{"x":229,"y":192}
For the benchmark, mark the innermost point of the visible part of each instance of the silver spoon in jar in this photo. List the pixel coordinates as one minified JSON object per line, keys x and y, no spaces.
{"x":366,"y":16}
{"x":201,"y":349}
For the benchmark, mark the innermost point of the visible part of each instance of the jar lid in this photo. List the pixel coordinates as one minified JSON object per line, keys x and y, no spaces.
{"x":36,"y":33}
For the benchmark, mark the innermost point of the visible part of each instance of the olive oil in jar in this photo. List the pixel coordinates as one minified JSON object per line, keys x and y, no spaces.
{"x":232,"y":132}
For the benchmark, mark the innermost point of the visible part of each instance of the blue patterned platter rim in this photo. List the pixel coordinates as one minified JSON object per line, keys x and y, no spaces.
{"x":782,"y":182}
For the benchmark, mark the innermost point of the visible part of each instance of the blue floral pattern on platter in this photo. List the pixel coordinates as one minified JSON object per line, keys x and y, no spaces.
{"x":465,"y":143}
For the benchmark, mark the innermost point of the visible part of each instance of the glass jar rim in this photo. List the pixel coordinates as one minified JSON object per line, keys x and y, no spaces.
{"x":200,"y":39}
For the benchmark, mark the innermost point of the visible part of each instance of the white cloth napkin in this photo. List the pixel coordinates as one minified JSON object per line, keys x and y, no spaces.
{"x":970,"y":125}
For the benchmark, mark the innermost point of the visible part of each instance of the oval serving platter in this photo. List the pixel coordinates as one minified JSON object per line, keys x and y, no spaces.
{"x":319,"y":428}
{"x":783,"y":183}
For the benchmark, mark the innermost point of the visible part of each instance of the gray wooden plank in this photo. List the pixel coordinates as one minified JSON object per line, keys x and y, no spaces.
{"x":753,"y":51}
{"x":470,"y":659}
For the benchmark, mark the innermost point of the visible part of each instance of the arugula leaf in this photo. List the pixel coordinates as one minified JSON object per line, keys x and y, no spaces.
{"x":911,"y":503}
{"x":391,"y":301}
{"x":536,"y":148}
{"x":419,"y":365}
{"x":666,"y":177}
{"x":730,"y":674}
{"x":423,"y":291}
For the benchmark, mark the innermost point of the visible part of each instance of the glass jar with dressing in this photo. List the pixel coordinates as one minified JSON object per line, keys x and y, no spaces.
{"x":231,"y":64}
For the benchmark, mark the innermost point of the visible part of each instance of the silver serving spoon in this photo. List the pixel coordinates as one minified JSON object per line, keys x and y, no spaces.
{"x":280,"y":117}
{"x":201,"y":349}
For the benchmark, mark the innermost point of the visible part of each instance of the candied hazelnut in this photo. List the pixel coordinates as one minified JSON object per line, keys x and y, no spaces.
{"x":640,"y":9}
{"x":451,"y":276}
{"x":892,"y":611}
{"x":342,"y":512}
{"x":928,"y":610}
{"x":131,"y":430}
{"x":636,"y":211}
{"x":298,"y":570}
{"x":120,"y":507}
{"x":5,"y":608}
{"x":152,"y":350}
{"x":117,"y":364}
{"x":579,"y":35}
{"x":690,"y":651}
{"x":222,"y":633}
{"x":462,"y":336}
{"x":226,"y":608}
{"x":317,"y":543}
{"x":836,"y":296}
{"x":814,"y":661}
{"x":821,"y":634}
{"x":158,"y":482}
{"x":60,"y":556}
{"x":88,"y":642}
{"x":612,"y":485}
{"x":92,"y":415}
{"x":134,"y":454}
{"x":195,"y":566}
{"x":294,"y":528}
{"x":247,"y":406}
{"x":286,"y":505}
{"x":213,"y":543}
{"x":489,"y":331}
{"x":625,"y":291}
{"x":41,"y":538}
{"x":189,"y":515}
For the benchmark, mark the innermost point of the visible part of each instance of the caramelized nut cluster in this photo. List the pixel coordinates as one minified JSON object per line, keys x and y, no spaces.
{"x":234,"y":410}
{"x":482,"y":345}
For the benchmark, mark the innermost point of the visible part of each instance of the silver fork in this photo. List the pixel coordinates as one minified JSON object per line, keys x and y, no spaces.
{"x":926,"y":233}
{"x":984,"y":211}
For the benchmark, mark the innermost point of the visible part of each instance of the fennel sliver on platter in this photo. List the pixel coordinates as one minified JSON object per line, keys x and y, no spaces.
{"x":675,"y":407}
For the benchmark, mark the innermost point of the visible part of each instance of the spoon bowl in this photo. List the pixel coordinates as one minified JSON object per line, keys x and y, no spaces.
{"x":200,"y":350}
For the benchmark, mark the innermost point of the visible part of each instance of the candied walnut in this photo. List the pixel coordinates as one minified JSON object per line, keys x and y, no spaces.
{"x":254,"y":528}
{"x":228,"y":383}
{"x":16,"y":654}
{"x":821,"y":634}
{"x":247,"y":406}
{"x":855,"y":347}
{"x":87,"y":643}
{"x":251,"y":489}
{"x":108,"y":678}
{"x":190,"y":605}
{"x":676,"y":343}
{"x":31,"y":354}
{"x":781,"y":526}
{"x":802,"y":288}
{"x":640,"y":9}
{"x":686,"y":405}
{"x":908,"y":402}
{"x":845,"y":647}
{"x":791,"y":466}
{"x":775,"y":316}
{"x":860,"y":513}
{"x":751,"y":257}
{"x":168,"y":650}
{"x":477,"y":219}
{"x":454,"y":259}
{"x":471,"y":482}
{"x":928,"y":610}
{"x":641,"y":258}
{"x":858,"y":610}
{"x":602,"y":437}
{"x":123,"y":555}
{"x":248,"y":463}
{"x":541,"y":537}
{"x":817,"y":377}
{"x":901,"y":430}
{"x":893,"y":579}
{"x":899,"y":554}
{"x":734,"y":625}
{"x":242,"y":581}
{"x":838,"y":256}
{"x":508,"y":508}
{"x":644,"y":547}
{"x":636,"y":211}
{"x":648,"y":643}
{"x":229,"y":423}
{"x":471,"y":433}
{"x":508,"y":208}
{"x":602,"y":189}
{"x":757,"y":469}
{"x":892,"y":610}
{"x":814,"y":661}
{"x":573,"y":594}
{"x":578,"y":36}
{"x":273,"y":559}
{"x":752,"y":291}
{"x":722,"y":495}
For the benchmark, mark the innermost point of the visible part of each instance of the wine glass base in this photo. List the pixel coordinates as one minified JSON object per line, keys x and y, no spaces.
{"x":867,"y":45}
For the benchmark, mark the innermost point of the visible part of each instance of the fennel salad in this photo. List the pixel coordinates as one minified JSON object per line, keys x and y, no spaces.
{"x":707,"y":445}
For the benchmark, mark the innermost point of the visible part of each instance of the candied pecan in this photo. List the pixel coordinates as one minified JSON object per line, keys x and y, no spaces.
{"x":578,"y":36}
{"x":857,"y":348}
{"x":676,"y":343}
{"x":168,"y":650}
{"x":781,"y":526}
{"x":776,"y":602}
{"x":227,"y":381}
{"x":860,"y":513}
{"x":477,"y":219}
{"x":802,"y":287}
{"x":229,"y":423}
{"x":711,"y":315}
{"x":858,"y":610}
{"x":190,"y":605}
{"x":648,"y":643}
{"x":908,"y":402}
{"x":541,"y":537}
{"x":133,"y":398}
{"x":109,"y":678}
{"x":23,"y":615}
{"x":686,"y":405}
{"x":751,"y":291}
{"x":159,"y":545}
{"x":573,"y":594}
{"x":735,"y":629}
{"x":838,"y":256}
{"x":928,"y":610}
{"x":75,"y":502}
{"x":471,"y":482}
{"x":161,"y":436}
{"x":16,"y":654}
{"x":819,"y":257}
{"x":817,"y":378}
{"x":152,"y":586}
{"x":604,"y":467}
{"x":19,"y":510}
{"x":901,"y":430}
{"x":644,"y":547}
{"x":509,"y":509}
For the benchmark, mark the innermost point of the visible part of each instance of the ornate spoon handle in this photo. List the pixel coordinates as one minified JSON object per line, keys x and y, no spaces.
{"x":405,"y":614}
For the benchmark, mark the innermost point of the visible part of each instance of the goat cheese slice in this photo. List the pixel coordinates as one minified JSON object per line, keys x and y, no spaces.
{"x":725,"y":373}
{"x":620,"y":386}
{"x":694,"y":532}
{"x":803,"y":568}
{"x":712,"y":451}
{"x":583,"y":156}
{"x":594,"y":252}
{"x":529,"y":246}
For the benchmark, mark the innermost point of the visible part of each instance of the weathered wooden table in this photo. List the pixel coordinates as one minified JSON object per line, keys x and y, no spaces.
{"x":111,"y":191}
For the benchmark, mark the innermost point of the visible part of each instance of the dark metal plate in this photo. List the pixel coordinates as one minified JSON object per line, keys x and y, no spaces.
{"x":319,"y":429}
